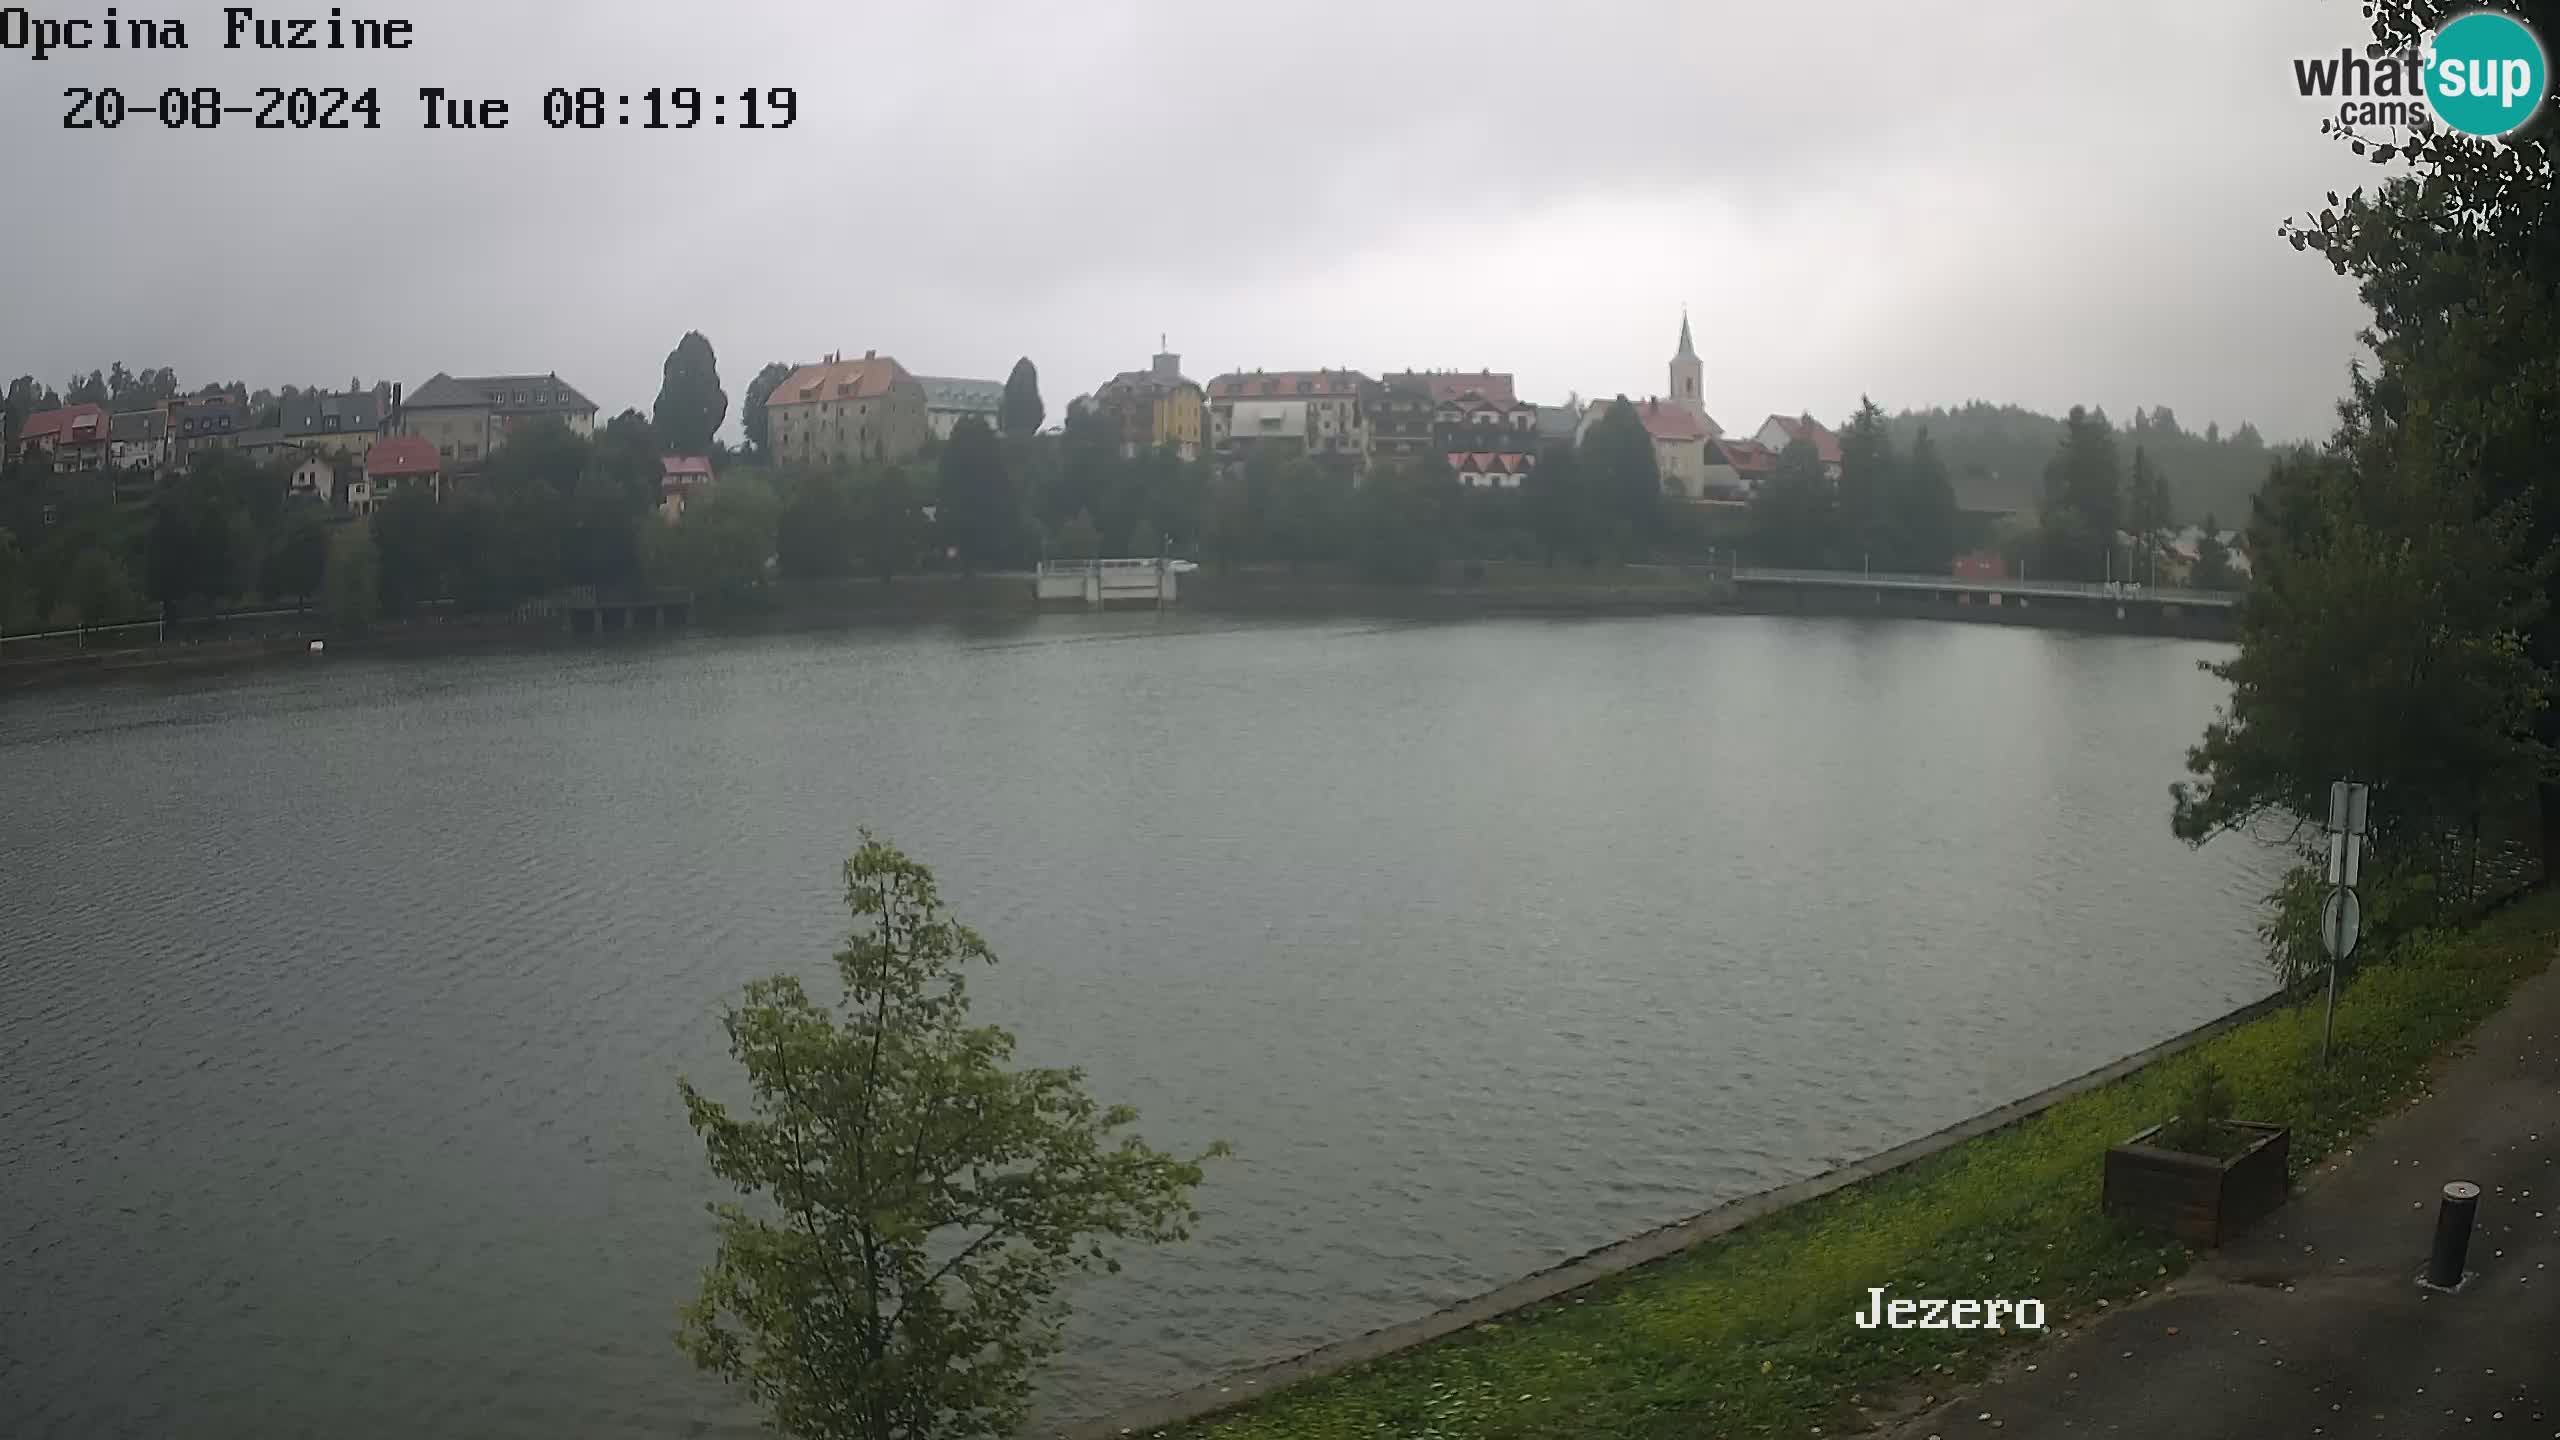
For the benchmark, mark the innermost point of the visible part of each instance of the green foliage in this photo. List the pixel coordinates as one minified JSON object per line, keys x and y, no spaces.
{"x":1749,"y":1333}
{"x":1923,"y":511}
{"x":1996,"y":455}
{"x":888,"y":516}
{"x":1021,"y":413}
{"x":2383,"y":643}
{"x":293,"y":563}
{"x":1867,"y":483}
{"x":920,"y":1200}
{"x":759,"y":395}
{"x":192,"y":548}
{"x":408,"y":542}
{"x":1401,"y":521}
{"x":818,"y":529}
{"x":691,"y":403}
{"x":15,"y":602}
{"x":1795,"y":514}
{"x":718,"y":548}
{"x":100,"y":588}
{"x":2080,"y":509}
{"x":1078,"y":539}
{"x":977,"y":512}
{"x":1623,"y":479}
{"x":1308,"y":510}
{"x":2204,"y":1102}
{"x":351,"y":584}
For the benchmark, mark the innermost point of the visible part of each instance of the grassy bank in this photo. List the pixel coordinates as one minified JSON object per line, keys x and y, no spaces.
{"x":1750,"y":1334}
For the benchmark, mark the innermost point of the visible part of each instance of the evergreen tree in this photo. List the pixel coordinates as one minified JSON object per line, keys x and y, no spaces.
{"x":691,"y":403}
{"x":1558,"y":507}
{"x":977,"y":508}
{"x":759,"y":395}
{"x":2213,"y":560}
{"x":1624,"y":478}
{"x":1795,"y":514}
{"x":1021,"y":413}
{"x":1862,"y":508}
{"x":1924,"y":511}
{"x":2079,"y":515}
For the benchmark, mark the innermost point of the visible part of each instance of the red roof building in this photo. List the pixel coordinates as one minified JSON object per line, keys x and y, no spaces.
{"x":1493,"y":469}
{"x":402,"y":457}
{"x":1779,"y":431}
{"x":1444,"y":386}
{"x":1750,"y":463}
{"x":75,"y":435}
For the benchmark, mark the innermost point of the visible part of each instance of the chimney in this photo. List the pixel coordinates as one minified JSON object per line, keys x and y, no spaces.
{"x":870,"y":354}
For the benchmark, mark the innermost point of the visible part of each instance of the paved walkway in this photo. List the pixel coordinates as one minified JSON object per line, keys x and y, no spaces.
{"x":2313,"y":1324}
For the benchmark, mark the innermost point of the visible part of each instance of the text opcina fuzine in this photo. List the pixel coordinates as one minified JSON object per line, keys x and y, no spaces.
{"x":1882,"y":1314}
{"x":242,"y":27}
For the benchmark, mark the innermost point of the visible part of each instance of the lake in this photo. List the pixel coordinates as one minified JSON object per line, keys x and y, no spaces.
{"x":342,"y":1003}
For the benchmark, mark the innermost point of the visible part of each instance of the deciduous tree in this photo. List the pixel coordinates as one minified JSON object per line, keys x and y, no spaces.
{"x":919,"y":1199}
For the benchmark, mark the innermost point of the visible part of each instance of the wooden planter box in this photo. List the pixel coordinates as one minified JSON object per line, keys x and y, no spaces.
{"x":2201,"y":1200}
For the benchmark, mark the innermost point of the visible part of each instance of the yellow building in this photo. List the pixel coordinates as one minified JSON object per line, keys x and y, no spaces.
{"x":1155,"y":407}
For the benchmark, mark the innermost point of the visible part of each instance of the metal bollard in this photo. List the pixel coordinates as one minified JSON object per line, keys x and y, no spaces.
{"x":2453,"y":1234}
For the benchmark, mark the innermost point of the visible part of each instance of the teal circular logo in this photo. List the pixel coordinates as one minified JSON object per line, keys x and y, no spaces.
{"x":2485,"y":74}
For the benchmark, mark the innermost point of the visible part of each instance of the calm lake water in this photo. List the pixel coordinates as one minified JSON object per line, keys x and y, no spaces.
{"x":341,"y":1006}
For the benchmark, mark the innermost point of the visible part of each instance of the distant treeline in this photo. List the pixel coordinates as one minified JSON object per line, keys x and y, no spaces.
{"x":1996,"y":455}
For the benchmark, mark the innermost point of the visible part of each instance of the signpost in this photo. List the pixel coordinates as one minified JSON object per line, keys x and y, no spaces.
{"x":2342,"y":917}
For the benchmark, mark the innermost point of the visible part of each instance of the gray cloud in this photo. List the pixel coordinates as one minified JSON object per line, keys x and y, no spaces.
{"x":2016,"y":201}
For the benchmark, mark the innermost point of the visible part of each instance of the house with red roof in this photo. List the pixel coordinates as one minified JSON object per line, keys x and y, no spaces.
{"x":1778,"y":432}
{"x":1491,"y":469}
{"x":75,"y":437}
{"x":400,"y":462}
{"x":1680,"y":435}
{"x":1319,"y":409}
{"x":1737,"y":468}
{"x":680,"y":479}
{"x":839,"y":409}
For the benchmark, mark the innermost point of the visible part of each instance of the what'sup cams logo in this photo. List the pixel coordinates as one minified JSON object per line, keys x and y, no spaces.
{"x":2483,"y":74}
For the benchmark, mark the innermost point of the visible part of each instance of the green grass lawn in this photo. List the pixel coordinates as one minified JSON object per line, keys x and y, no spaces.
{"x":1750,"y":1333}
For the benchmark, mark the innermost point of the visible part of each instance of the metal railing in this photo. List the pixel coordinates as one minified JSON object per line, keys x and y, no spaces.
{"x":2076,"y":589}
{"x":1097,"y":567}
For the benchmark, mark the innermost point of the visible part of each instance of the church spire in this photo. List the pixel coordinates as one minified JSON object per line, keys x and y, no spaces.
{"x":1687,"y":351}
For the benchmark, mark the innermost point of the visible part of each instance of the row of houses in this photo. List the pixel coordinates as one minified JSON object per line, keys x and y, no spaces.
{"x":350,"y":449}
{"x":353,"y":449}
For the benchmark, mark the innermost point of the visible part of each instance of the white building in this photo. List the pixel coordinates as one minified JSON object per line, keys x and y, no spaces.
{"x":950,"y":399}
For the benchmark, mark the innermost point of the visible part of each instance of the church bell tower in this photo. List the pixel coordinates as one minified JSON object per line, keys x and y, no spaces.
{"x":1686,"y":373}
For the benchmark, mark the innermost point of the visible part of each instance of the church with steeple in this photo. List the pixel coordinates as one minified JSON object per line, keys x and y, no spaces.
{"x":1687,"y":375}
{"x":1678,"y":422}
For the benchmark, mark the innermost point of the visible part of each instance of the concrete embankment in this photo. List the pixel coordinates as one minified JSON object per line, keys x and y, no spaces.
{"x":1653,"y":1245}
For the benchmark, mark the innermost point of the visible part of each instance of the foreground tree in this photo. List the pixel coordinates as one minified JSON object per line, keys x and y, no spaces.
{"x":2458,"y":259}
{"x":691,"y":403}
{"x":919,"y":1200}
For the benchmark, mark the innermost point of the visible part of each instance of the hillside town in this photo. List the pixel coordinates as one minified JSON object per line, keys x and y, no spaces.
{"x":1265,"y":465}
{"x":349,"y":449}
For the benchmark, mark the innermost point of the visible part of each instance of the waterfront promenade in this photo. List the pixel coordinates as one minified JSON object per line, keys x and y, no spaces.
{"x":2313,"y":1324}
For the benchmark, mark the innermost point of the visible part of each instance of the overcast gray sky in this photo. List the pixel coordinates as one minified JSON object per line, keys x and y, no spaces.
{"x":2017,"y":200}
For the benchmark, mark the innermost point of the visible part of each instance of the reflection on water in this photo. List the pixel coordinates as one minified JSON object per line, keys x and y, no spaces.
{"x":341,"y":1006}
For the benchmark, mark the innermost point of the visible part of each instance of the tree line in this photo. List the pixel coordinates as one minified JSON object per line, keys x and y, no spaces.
{"x":2401,"y":629}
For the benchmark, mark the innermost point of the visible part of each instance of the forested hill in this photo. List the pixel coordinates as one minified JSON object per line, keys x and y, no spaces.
{"x":1996,"y":455}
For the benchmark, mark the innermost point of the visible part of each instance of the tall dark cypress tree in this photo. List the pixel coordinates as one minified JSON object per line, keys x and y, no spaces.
{"x":1022,"y":411}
